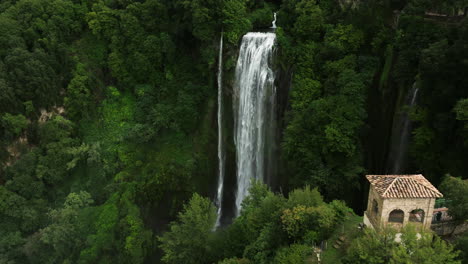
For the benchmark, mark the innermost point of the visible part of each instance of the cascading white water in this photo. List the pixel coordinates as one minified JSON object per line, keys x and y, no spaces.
{"x":219,"y":194}
{"x":400,"y":143}
{"x":254,"y":108}
{"x":273,"y":24}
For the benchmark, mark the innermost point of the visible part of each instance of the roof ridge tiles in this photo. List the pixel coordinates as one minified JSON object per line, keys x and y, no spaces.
{"x":390,"y":186}
{"x":403,"y":186}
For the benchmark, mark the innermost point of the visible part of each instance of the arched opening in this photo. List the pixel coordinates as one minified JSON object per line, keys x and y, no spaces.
{"x":375,"y":206}
{"x":396,"y":216}
{"x":416,"y":215}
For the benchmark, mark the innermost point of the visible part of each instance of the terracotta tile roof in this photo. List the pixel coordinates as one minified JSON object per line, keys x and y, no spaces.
{"x":403,"y":186}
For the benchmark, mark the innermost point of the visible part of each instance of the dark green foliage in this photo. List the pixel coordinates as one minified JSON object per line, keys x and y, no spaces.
{"x":262,"y":232}
{"x":79,"y":94}
{"x":235,"y":23}
{"x":456,"y":192}
{"x":188,"y":240}
{"x":293,"y":254}
{"x":321,"y":140}
{"x":107,"y":123}
{"x":462,"y":245}
{"x":380,"y":247}
{"x":440,"y":136}
{"x":13,"y":125}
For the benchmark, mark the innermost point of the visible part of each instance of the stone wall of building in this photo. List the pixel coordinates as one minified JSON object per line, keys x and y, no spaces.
{"x":387,"y":205}
{"x":372,"y":216}
{"x":407,"y":205}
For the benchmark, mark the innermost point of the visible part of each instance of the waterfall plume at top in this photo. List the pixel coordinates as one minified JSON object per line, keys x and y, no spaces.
{"x":401,"y":138}
{"x":254,"y":111}
{"x":221,"y":167}
{"x":273,"y":24}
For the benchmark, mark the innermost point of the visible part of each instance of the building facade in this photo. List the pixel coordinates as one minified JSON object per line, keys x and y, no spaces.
{"x":396,"y":200}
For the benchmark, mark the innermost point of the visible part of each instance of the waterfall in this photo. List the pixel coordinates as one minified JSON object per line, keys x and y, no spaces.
{"x":399,"y":147}
{"x":221,"y":167}
{"x":254,"y":110}
{"x":273,"y":24}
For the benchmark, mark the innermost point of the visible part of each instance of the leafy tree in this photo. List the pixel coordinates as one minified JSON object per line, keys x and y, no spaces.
{"x":14,"y":124}
{"x":78,"y":94}
{"x":235,"y":22}
{"x":305,"y":197}
{"x":22,"y":179}
{"x":188,"y":240}
{"x":137,"y":237}
{"x":461,"y":244}
{"x":455,"y":191}
{"x":343,"y":39}
{"x":416,"y":246}
{"x":17,"y":213}
{"x":10,"y":243}
{"x":57,"y":150}
{"x":101,"y":243}
{"x":309,"y":21}
{"x":32,"y":76}
{"x":461,"y":110}
{"x":295,"y":253}
{"x":269,"y":223}
{"x":234,"y":261}
{"x":64,"y":235}
{"x":300,"y":220}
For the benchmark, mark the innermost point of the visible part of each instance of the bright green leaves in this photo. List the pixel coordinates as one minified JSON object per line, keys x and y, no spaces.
{"x":455,"y":190}
{"x":305,"y":196}
{"x":78,"y":96}
{"x":309,"y":21}
{"x":203,"y":17}
{"x":311,"y":222}
{"x":188,"y":240}
{"x":56,"y":146}
{"x":118,"y":228}
{"x":415,"y":246}
{"x":64,"y":234}
{"x":321,"y":143}
{"x":17,"y":213}
{"x":138,"y":237}
{"x":309,"y":91}
{"x":344,"y":39}
{"x":296,"y":253}
{"x":265,"y":231}
{"x":14,"y":125}
{"x":102,"y":241}
{"x":235,"y":22}
{"x":102,"y":20}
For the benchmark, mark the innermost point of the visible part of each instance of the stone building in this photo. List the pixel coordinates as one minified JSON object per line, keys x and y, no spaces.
{"x":397,"y":200}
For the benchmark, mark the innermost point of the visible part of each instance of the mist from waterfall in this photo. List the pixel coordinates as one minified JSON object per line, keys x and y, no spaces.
{"x":254,"y":111}
{"x":221,"y":166}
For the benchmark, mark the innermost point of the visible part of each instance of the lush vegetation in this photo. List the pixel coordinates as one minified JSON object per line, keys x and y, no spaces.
{"x":270,"y":229}
{"x":107,"y":125}
{"x":413,"y":246}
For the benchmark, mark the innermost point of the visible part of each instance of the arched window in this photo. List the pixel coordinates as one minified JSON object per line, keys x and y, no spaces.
{"x":375,"y":206}
{"x":396,"y":216}
{"x":416,"y":215}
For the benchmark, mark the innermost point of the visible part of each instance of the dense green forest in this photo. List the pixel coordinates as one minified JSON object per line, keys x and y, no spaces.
{"x":108,"y":126}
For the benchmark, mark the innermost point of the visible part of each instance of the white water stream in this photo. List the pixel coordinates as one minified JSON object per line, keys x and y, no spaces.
{"x":219,"y":194}
{"x":254,"y":109}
